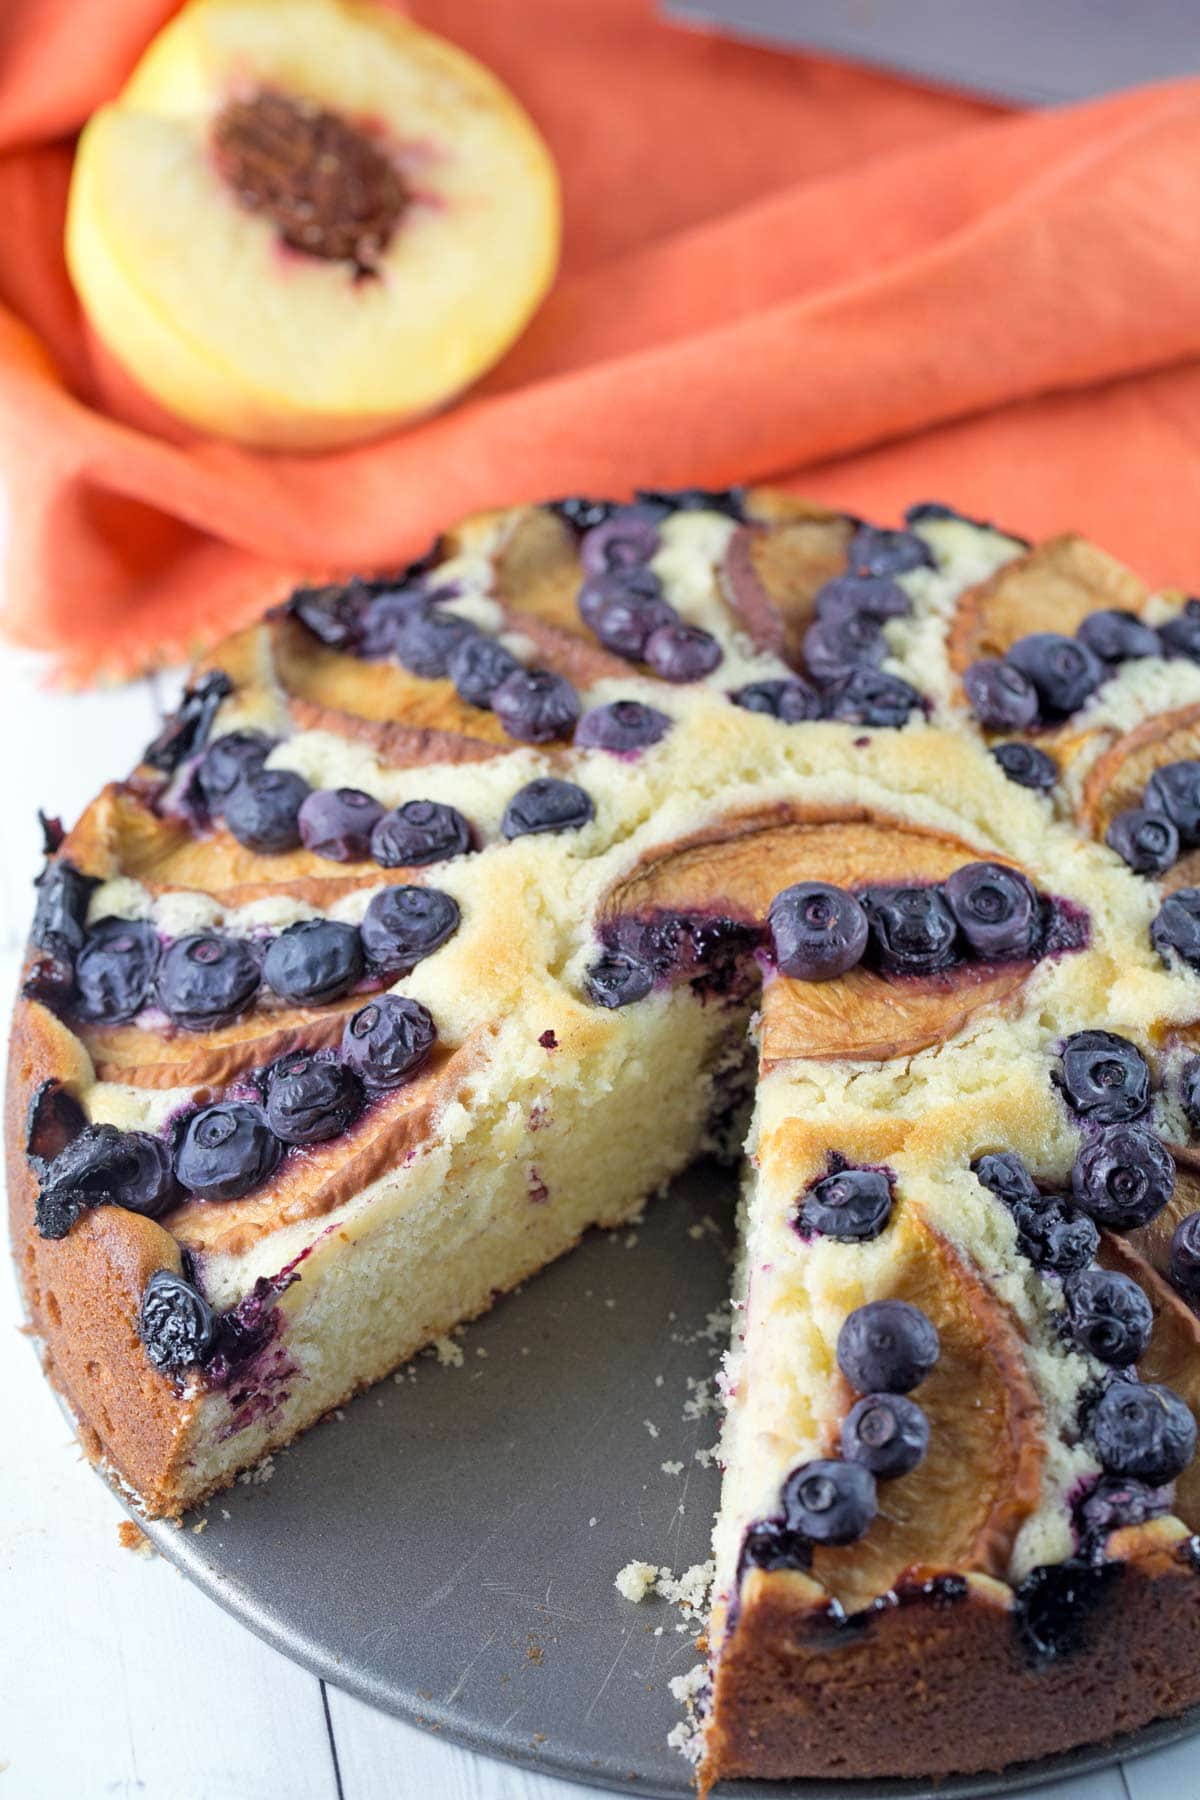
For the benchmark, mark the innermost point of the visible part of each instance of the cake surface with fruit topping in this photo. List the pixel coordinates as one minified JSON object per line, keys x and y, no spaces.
{"x":460,"y":907}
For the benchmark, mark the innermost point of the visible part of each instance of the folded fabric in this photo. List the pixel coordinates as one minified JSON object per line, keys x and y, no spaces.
{"x":774,"y":267}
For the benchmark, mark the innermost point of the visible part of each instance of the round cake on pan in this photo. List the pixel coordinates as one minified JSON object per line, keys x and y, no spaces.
{"x":460,"y":907}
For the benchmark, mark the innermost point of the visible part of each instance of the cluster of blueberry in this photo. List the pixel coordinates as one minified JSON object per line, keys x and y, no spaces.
{"x":1045,"y":677}
{"x":884,"y":1349}
{"x":983,"y":910}
{"x":622,"y":602}
{"x":225,"y":1150}
{"x":1150,"y":836}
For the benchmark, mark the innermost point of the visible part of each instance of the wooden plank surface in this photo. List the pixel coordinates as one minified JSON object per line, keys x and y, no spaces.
{"x":117,"y":1678}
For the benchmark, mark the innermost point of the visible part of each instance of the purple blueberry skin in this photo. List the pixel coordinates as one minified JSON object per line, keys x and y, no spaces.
{"x":996,"y":909}
{"x":207,"y":979}
{"x":1001,"y":697}
{"x":1027,"y":766}
{"x":873,"y":595}
{"x":1147,"y":841}
{"x":102,"y":1166}
{"x":681,"y":653}
{"x":622,"y":726}
{"x":791,"y":701}
{"x":834,"y":646}
{"x":425,"y":639}
{"x":1183,"y":1263}
{"x":535,"y":706}
{"x":1105,"y":1078}
{"x":1174,"y":790}
{"x":830,"y":1502}
{"x":626,"y":539}
{"x":871,"y":697}
{"x":263,"y":810}
{"x":1115,"y":636}
{"x":619,"y":979}
{"x":387,"y":1041}
{"x":1004,"y":1174}
{"x":1123,"y":1177}
{"x":418,"y":833}
{"x":818,"y":932}
{"x":851,"y":1206}
{"x":1189,"y":1091}
{"x":625,"y":621}
{"x":1176,"y":926}
{"x":1144,"y":1431}
{"x":311,"y":1098}
{"x":114,"y":971}
{"x":876,"y":551}
{"x":1181,"y":635}
{"x":227,"y":759}
{"x":337,"y":823}
{"x":547,"y":804}
{"x":226,"y":1150}
{"x":887,"y":1346}
{"x":887,"y":1433}
{"x":384,"y":618}
{"x":637,"y":585}
{"x":404,"y":925}
{"x":913,"y":929}
{"x":478,"y":666}
{"x":175,"y":1322}
{"x":1064,"y":672}
{"x":314,"y":961}
{"x":1110,"y":1316}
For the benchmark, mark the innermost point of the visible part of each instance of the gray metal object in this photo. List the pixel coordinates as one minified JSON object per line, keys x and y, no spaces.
{"x":1025,"y":50}
{"x":447,"y":1549}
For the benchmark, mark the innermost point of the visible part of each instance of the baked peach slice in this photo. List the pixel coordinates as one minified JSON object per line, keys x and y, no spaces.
{"x":962,"y":1507}
{"x":771,"y":575}
{"x":1052,"y":588}
{"x":735,"y":870}
{"x":1118,"y":776}
{"x":303,"y":222}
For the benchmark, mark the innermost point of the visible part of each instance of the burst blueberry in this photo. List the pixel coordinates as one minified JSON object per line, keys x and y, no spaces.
{"x":1105,"y":1078}
{"x":175,"y":1322}
{"x":1147,"y":841}
{"x":1005,"y":1175}
{"x":1189,"y":1091}
{"x":387,"y":1041}
{"x":1063,"y":671}
{"x":1027,"y":766}
{"x":207,"y":979}
{"x":887,"y":1346}
{"x":226,"y":1150}
{"x":875,"y":551}
{"x":114,"y":972}
{"x":478,"y":666}
{"x":1174,"y":790}
{"x":619,"y":978}
{"x":385,"y":616}
{"x":1054,"y":1601}
{"x":314,"y":961}
{"x":682,"y":652}
{"x":420,"y":832}
{"x":547,"y":804}
{"x":425,"y":639}
{"x":817,"y":931}
{"x":310,"y":1097}
{"x":1001,"y":696}
{"x":338,"y":822}
{"x":850,"y":1206}
{"x":1183,"y":1258}
{"x":1143,"y":1431}
{"x":1057,"y":1238}
{"x":263,"y":810}
{"x":835,"y":646}
{"x":1115,"y":636}
{"x":1113,"y":1504}
{"x":1176,"y":926}
{"x":887,"y":1433}
{"x":333,"y":614}
{"x":1110,"y":1316}
{"x":622,"y":726}
{"x":1123,"y":1177}
{"x":829,"y":1502}
{"x":913,"y":929}
{"x":871,"y":697}
{"x":102,"y":1166}
{"x":790,"y":700}
{"x":995,"y":908}
{"x":768,"y":1544}
{"x":403,"y":925}
{"x":535,"y":706}
{"x":227,"y":760}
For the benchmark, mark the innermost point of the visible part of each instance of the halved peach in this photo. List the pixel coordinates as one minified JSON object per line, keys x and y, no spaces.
{"x":304,"y":221}
{"x":1053,"y":588}
{"x":962,"y":1507}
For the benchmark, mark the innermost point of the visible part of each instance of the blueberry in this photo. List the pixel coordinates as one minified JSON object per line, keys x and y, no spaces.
{"x":226,"y":1150}
{"x":936,"y":512}
{"x":535,"y":706}
{"x":338,"y":822}
{"x":60,"y":918}
{"x":420,"y":832}
{"x":1176,"y":926}
{"x":333,"y":613}
{"x":1064,"y":672}
{"x":627,"y":538}
{"x":887,"y":1433}
{"x":1005,"y":1175}
{"x":887,"y":1346}
{"x":104,"y":1167}
{"x":682,"y":652}
{"x":833,"y":647}
{"x":662,"y":502}
{"x":1183,"y":1261}
{"x":1116,"y":636}
{"x":829,"y":1502}
{"x":1189,"y":1091}
{"x":114,"y":972}
{"x":817,"y":931}
{"x":619,"y":978}
{"x":227,"y":760}
{"x":310,"y":1097}
{"x":1181,"y":635}
{"x":874,"y":551}
{"x":623,"y":607}
{"x":996,"y":909}
{"x":403,"y":925}
{"x":582,"y":513}
{"x":1123,"y":1177}
{"x":263,"y":810}
{"x":187,"y":729}
{"x":1027,"y":766}
{"x":768,"y":1544}
{"x":478,"y":666}
{"x":849,"y":1206}
{"x":1112,"y":1504}
{"x":1053,"y":1603}
{"x":871,"y":697}
{"x":1001,"y":697}
{"x":207,"y":979}
{"x":1147,"y":841}
{"x":386,"y":1041}
{"x":175,"y":1322}
{"x":1175,"y":790}
{"x":623,"y":725}
{"x":1055,"y":1237}
{"x":1105,"y":1078}
{"x":1110,"y":1316}
{"x":314,"y":961}
{"x":546,"y":804}
{"x":790,"y":700}
{"x":913,"y":929}
{"x":1144,"y":1431}
{"x":846,"y":594}
{"x":426,"y":637}
{"x":385,"y":617}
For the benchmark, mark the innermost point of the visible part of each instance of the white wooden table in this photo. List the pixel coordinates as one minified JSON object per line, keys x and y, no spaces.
{"x":117,"y":1678}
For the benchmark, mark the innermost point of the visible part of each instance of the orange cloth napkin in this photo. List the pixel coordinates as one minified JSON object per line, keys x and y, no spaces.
{"x":774,"y":267}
